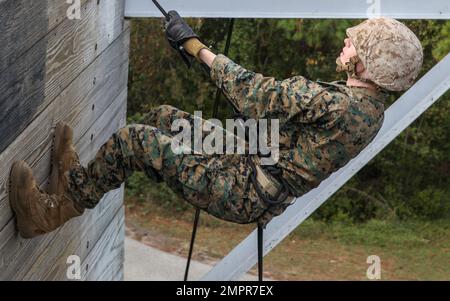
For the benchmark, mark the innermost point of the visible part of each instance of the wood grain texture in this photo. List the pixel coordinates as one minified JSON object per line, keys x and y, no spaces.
{"x":34,"y":80}
{"x":107,"y":257}
{"x":42,"y":258}
{"x":83,"y":102}
{"x":61,"y":70}
{"x":24,"y":22}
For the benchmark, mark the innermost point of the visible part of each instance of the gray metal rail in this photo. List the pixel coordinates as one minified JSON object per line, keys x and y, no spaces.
{"x":400,"y":9}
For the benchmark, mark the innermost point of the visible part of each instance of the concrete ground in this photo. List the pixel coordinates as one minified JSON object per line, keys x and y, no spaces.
{"x":144,"y":263}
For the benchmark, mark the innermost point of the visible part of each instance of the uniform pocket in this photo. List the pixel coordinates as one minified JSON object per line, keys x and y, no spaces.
{"x":192,"y":175}
{"x":227,"y":188}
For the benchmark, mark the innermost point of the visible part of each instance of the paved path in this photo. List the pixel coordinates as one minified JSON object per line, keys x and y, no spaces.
{"x":144,"y":263}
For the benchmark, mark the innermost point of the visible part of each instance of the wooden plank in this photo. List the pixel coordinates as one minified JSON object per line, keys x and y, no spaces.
{"x":120,"y":275}
{"x":105,"y":124}
{"x":95,"y":88}
{"x":85,"y":242}
{"x":45,"y":257}
{"x":113,"y":118}
{"x":45,"y":70}
{"x":74,"y":71}
{"x":107,"y":257}
{"x":24,"y":23}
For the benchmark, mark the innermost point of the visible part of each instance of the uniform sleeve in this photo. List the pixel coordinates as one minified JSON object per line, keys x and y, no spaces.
{"x":258,"y":96}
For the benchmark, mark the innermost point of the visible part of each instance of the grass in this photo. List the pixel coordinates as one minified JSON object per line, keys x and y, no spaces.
{"x":414,"y":250}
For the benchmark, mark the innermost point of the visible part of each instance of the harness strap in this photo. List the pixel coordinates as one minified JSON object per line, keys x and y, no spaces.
{"x":266,"y":189}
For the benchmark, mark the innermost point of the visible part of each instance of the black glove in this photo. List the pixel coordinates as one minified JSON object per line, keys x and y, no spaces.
{"x":177,"y":30}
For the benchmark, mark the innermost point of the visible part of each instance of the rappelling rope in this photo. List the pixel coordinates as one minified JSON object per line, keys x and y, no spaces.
{"x":214,"y":115}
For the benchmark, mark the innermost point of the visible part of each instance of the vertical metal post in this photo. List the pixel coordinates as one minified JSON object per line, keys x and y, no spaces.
{"x":191,"y":247}
{"x":260,"y":252}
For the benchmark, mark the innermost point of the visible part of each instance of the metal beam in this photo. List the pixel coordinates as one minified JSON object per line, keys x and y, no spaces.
{"x":397,"y":118}
{"x":344,"y":9}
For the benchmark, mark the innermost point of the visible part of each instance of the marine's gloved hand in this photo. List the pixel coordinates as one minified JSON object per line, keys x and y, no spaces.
{"x":179,"y":33}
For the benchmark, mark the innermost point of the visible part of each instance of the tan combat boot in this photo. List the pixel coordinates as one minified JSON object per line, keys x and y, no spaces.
{"x":37,"y":212}
{"x":64,"y":157}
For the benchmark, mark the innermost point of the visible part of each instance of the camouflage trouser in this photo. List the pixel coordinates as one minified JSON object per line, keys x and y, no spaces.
{"x":218,"y":184}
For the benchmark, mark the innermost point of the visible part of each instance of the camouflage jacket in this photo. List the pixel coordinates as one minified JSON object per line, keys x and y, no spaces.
{"x":322,"y":125}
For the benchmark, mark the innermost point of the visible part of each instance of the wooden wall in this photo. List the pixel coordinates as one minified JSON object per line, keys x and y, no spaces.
{"x":54,"y":69}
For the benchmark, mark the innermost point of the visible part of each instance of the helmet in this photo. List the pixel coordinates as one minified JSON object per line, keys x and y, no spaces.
{"x":390,"y":52}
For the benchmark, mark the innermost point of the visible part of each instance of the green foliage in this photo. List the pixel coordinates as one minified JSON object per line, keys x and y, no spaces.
{"x":408,"y":180}
{"x":378,"y":233}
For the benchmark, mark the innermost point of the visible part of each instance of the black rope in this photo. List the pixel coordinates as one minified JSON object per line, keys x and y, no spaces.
{"x":191,"y":247}
{"x":215,"y":113}
{"x":260,"y":252}
{"x":162,"y":10}
{"x":225,"y":52}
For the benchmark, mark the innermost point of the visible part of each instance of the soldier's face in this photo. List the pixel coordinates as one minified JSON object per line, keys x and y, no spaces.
{"x":348,"y":51}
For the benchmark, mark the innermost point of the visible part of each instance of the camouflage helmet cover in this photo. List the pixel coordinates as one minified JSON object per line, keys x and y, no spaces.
{"x":390,"y":52}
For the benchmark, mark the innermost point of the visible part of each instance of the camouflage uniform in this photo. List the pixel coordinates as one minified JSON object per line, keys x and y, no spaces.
{"x":322,"y":127}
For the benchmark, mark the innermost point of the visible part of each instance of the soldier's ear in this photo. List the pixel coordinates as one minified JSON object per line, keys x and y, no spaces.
{"x":361,"y":70}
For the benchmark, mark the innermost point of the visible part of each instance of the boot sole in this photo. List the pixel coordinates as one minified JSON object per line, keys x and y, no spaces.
{"x":54,"y":175}
{"x":16,"y":180}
